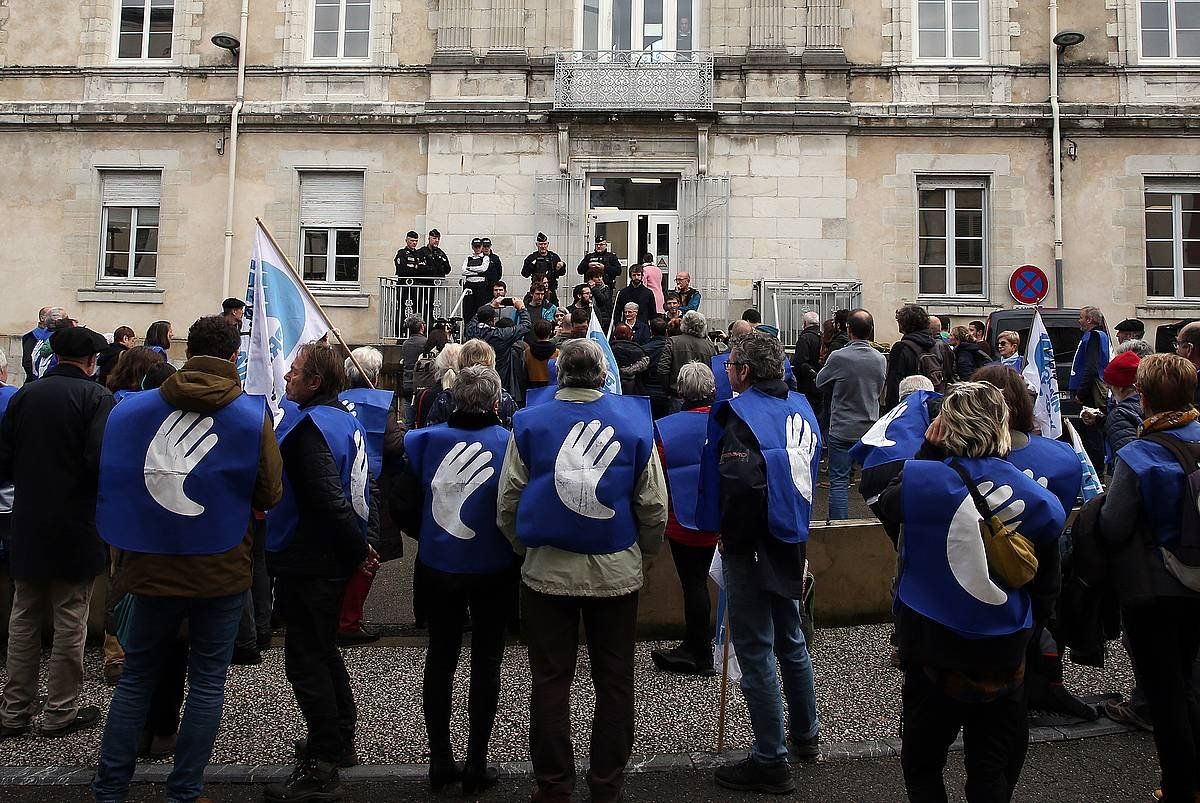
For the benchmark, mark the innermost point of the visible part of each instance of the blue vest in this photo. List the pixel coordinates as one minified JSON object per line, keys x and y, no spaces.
{"x":6,"y":394}
{"x":347,"y":442}
{"x":460,"y":471}
{"x":898,"y":434}
{"x":724,"y":389}
{"x":121,"y":393}
{"x":682,"y":436}
{"x":768,"y":417}
{"x":155,"y":496}
{"x":1055,"y":462}
{"x":1160,"y":481}
{"x":371,"y":409}
{"x":536,"y":396}
{"x":561,"y":508}
{"x":943,"y":568}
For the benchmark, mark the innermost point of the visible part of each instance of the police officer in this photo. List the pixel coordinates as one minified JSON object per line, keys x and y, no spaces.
{"x":475,"y":269}
{"x":436,"y":263}
{"x":495,"y":266}
{"x":607,"y":259}
{"x":544,"y":262}
{"x":409,"y":263}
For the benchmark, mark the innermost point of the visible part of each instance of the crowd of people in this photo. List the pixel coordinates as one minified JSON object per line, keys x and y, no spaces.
{"x":536,"y":500}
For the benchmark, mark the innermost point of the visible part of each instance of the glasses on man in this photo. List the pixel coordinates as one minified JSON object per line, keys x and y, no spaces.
{"x":1178,"y":344}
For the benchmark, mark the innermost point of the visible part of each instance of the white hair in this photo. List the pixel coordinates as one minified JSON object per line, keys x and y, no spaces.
{"x":1139,"y":347}
{"x":693,"y":323}
{"x":371,"y":361}
{"x":911,"y":384}
{"x":3,"y":361}
{"x":811,"y":318}
{"x":445,"y":364}
{"x":696,"y":382}
{"x":632,"y":305}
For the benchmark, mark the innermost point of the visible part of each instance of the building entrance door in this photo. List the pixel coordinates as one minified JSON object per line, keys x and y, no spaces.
{"x":637,"y":216}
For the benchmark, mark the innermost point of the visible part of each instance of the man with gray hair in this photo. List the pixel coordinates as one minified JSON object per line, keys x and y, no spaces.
{"x":30,"y":339}
{"x":43,"y":357}
{"x":410,"y":352}
{"x":806,"y":359}
{"x":641,"y":329}
{"x":582,"y":497}
{"x":765,"y":437}
{"x":690,"y":345}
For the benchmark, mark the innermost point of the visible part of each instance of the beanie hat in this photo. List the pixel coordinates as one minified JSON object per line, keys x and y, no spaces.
{"x":1122,"y":370}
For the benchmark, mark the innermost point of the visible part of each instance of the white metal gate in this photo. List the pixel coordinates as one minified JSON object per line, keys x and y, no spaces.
{"x":783,"y":302}
{"x":704,"y":242}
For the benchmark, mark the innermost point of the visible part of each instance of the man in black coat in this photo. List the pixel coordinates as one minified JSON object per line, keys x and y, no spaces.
{"x":904,"y":358}
{"x":50,"y":450}
{"x":544,"y":262}
{"x":638,"y":293}
{"x":806,"y":360}
{"x":607,"y":259}
{"x":433,"y":258}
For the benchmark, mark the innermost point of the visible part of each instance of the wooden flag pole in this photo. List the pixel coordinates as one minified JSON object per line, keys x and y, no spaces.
{"x":316,"y":303}
{"x":724,"y":684}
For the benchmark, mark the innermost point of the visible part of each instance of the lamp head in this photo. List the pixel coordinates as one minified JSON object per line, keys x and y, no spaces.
{"x":227,"y":41}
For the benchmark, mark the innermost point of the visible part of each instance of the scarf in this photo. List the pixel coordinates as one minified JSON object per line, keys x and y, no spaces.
{"x":1078,"y":366}
{"x":1163,"y":421}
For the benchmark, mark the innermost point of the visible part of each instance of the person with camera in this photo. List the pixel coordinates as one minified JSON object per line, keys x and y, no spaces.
{"x":483,"y":327}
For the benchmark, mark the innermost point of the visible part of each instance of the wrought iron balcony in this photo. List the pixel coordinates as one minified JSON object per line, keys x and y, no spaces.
{"x":633,"y":80}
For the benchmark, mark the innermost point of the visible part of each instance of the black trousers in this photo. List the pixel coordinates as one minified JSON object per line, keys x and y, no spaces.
{"x":162,"y":719}
{"x":255,"y":626}
{"x":691,"y":564}
{"x":313,"y":664}
{"x":995,"y":738}
{"x":1164,"y":637}
{"x":450,"y":596}
{"x":552,"y":633}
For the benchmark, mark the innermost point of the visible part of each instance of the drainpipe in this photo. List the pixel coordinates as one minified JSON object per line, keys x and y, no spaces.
{"x":1055,"y":160}
{"x":235,"y":113}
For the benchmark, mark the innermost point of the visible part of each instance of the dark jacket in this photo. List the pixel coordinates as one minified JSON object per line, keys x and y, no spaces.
{"x":632,"y":362}
{"x":410,"y":352}
{"x":501,"y":341}
{"x":547,"y":264}
{"x":328,"y":542}
{"x":434,"y":260}
{"x":50,"y":442}
{"x":28,"y":341}
{"x":743,"y":505}
{"x":602,"y":302}
{"x":409,"y":264}
{"x":204,"y":385}
{"x":1091,"y":392}
{"x":495,"y":270}
{"x":107,"y":360}
{"x":1122,"y":422}
{"x":610,"y":261}
{"x":806,"y":361}
{"x":904,"y":360}
{"x":968,"y":357}
{"x":652,"y":381}
{"x":679,"y":351}
{"x":639,"y":295}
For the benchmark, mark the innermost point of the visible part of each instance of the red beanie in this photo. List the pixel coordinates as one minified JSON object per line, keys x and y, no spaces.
{"x":1122,"y":371}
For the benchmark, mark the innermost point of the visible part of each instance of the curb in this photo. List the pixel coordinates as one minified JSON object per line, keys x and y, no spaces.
{"x":269,"y":773}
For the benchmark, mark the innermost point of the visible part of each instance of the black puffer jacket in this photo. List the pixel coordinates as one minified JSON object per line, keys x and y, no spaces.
{"x":904,"y":359}
{"x":633,"y":363}
{"x":1122,"y":422}
{"x":328,"y":542}
{"x":968,"y":358}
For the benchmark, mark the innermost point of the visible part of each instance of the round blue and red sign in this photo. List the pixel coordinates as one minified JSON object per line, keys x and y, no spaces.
{"x":1028,"y":284}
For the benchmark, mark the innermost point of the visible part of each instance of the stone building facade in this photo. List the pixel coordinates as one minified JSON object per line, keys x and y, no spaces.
{"x":897,"y":149}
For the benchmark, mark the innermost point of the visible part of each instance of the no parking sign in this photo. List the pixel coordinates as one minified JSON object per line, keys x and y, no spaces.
{"x":1028,"y":284}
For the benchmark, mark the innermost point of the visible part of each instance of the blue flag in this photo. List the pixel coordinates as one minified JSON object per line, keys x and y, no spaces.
{"x":612,"y":379}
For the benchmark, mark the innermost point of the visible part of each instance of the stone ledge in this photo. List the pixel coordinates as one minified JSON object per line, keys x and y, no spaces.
{"x":978,"y":309}
{"x":120,"y":295}
{"x":1179,"y":309}
{"x":335,"y":299}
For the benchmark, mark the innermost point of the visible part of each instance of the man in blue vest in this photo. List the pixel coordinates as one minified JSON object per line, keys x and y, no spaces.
{"x":582,"y":496}
{"x":316,"y":540}
{"x":180,"y":471}
{"x":757,"y":476}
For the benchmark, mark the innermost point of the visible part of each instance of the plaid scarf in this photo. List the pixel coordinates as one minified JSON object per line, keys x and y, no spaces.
{"x":1162,"y":421}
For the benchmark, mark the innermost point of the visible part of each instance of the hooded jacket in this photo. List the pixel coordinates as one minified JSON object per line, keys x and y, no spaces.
{"x":207,"y":384}
{"x":904,"y":360}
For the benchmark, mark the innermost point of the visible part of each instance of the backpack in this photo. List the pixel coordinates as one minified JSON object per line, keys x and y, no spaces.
{"x":1183,"y":559}
{"x":930,"y":365}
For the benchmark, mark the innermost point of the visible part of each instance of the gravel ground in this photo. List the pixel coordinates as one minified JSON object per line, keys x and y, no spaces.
{"x":858,"y":699}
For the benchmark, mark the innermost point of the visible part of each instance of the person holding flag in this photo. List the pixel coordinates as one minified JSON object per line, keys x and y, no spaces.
{"x":612,"y":374}
{"x":1086,"y":383}
{"x":1041,"y":375}
{"x":204,"y":454}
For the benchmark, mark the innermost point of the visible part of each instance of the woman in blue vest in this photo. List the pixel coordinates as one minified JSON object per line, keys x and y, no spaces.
{"x":447,"y":495}
{"x":1151,"y":540}
{"x":961,"y":634}
{"x":316,"y":540}
{"x":131,"y":367}
{"x":680,"y":440}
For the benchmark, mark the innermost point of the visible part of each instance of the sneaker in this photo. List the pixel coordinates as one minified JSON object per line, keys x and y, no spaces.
{"x":678,"y":660}
{"x":751,"y":776}
{"x":1059,"y":698}
{"x":246,"y":656}
{"x":348,"y":759}
{"x":86,"y":717}
{"x":356,"y":637}
{"x":112,"y":673}
{"x":806,"y":750}
{"x":311,"y":780}
{"x":1126,"y":713}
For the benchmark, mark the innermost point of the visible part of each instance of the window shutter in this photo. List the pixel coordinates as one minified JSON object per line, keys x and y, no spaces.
{"x":131,"y":188}
{"x":331,"y":199}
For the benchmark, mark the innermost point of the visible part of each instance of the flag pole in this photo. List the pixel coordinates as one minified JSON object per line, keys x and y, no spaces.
{"x":724,"y":683}
{"x":316,"y":303}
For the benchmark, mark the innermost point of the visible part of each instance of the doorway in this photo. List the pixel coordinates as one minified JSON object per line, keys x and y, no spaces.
{"x":637,"y":215}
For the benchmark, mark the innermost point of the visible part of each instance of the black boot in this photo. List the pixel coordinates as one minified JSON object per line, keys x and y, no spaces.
{"x":442,"y":771}
{"x":478,"y":778}
{"x":312,"y":780}
{"x":347,"y":759}
{"x":751,"y":776}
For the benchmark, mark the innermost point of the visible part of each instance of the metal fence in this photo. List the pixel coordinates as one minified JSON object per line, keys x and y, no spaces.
{"x":783,"y":302}
{"x":612,"y":80}
{"x":704,"y":242}
{"x":431,"y":299}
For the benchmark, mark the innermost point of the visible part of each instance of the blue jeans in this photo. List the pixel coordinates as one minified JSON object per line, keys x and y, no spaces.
{"x":212,"y":627}
{"x":840,"y":467}
{"x":766,"y":626}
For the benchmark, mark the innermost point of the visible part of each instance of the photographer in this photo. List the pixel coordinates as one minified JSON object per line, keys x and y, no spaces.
{"x":483,"y":327}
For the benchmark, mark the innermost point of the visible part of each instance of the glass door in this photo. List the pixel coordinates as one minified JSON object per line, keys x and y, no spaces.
{"x":615,"y":228}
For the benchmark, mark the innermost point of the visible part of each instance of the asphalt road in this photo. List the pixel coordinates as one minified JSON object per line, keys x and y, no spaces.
{"x":1113,"y":769}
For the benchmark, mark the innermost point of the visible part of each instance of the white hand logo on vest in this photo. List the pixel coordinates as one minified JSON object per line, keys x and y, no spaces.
{"x":581,"y":463}
{"x":801,"y":445}
{"x":182,"y":441}
{"x":463,"y":470}
{"x":877,"y":434}
{"x":350,"y":408}
{"x":1042,"y":481}
{"x":358,"y":477}
{"x":964,"y":547}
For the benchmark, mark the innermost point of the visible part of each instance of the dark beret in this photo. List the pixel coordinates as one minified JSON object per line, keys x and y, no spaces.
{"x":1131,"y":325}
{"x":77,"y":342}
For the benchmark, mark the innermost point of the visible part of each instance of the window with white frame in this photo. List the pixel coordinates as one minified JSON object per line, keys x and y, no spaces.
{"x":656,"y":25}
{"x":1170,"y":29}
{"x":951,"y":30}
{"x":341,"y":29}
{"x":331,"y":214}
{"x":129,"y":226}
{"x":952,"y":242}
{"x":145,"y":29}
{"x":1173,"y":240}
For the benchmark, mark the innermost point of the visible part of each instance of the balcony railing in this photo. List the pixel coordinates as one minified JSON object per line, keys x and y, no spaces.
{"x":430,"y":299}
{"x":633,"y":80}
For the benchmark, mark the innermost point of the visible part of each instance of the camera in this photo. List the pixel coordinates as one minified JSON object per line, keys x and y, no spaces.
{"x":506,"y":301}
